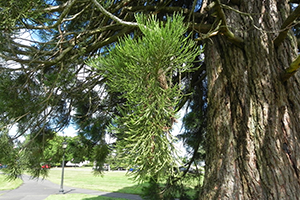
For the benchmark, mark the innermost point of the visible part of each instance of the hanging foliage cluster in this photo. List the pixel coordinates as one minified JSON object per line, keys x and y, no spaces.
{"x":142,"y":70}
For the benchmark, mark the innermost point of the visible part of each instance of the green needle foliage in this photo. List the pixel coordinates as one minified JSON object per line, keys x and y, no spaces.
{"x":142,"y":71}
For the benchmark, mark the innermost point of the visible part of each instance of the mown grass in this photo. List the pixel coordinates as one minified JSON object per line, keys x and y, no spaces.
{"x":80,"y":197}
{"x":114,"y":181}
{"x":9,"y":185}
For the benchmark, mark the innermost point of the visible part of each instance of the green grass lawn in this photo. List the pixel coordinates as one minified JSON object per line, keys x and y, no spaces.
{"x":114,"y":181}
{"x":9,"y":185}
{"x":80,"y":197}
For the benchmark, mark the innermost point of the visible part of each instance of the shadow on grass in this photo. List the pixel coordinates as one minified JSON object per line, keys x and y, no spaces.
{"x":133,"y":193}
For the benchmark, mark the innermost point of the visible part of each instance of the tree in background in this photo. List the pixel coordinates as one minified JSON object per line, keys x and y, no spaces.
{"x":78,"y":150}
{"x":251,"y":59}
{"x":8,"y":153}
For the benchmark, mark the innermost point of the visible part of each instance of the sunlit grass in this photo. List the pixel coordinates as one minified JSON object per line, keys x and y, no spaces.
{"x":80,"y":197}
{"x":114,"y":181}
{"x":9,"y":185}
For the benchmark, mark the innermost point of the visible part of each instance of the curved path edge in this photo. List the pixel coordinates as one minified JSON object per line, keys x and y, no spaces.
{"x":38,"y":189}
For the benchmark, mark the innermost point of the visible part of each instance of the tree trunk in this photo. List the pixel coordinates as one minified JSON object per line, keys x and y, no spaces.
{"x":253,"y":136}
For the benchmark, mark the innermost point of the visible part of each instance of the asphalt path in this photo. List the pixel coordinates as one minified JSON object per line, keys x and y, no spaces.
{"x":38,"y":189}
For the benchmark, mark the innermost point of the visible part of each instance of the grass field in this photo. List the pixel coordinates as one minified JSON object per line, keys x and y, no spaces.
{"x":9,"y":185}
{"x":114,"y":181}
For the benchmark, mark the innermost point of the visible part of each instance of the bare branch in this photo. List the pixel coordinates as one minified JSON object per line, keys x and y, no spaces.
{"x":291,"y":70}
{"x":294,"y":1}
{"x":102,"y":29}
{"x":193,"y":8}
{"x":224,"y":27}
{"x":200,"y":28}
{"x":116,"y":19}
{"x":53,"y":8}
{"x":108,"y":40}
{"x":77,"y":14}
{"x":69,"y":4}
{"x":44,"y":63}
{"x":287,"y":24}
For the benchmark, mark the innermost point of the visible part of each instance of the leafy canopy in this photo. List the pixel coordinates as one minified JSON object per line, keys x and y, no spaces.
{"x":141,"y":70}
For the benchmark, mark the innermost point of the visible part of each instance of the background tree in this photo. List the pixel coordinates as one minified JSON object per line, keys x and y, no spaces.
{"x":195,"y":120}
{"x":78,"y":150}
{"x":251,"y":137}
{"x":8,"y":153}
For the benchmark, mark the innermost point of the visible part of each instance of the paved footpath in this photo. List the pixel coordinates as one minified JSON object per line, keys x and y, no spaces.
{"x":33,"y":189}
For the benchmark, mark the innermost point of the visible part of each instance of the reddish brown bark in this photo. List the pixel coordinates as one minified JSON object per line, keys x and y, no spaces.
{"x":253,"y":117}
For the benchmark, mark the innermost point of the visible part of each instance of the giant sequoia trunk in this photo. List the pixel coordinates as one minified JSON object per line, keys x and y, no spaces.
{"x":253,"y":117}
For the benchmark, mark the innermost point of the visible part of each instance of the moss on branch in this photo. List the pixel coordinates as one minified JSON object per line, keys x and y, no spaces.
{"x":291,"y":70}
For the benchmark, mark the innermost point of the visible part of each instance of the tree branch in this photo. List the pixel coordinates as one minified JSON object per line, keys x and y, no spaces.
{"x":66,"y":10}
{"x":200,"y":28}
{"x":108,"y":40}
{"x":294,"y":1}
{"x":155,"y":8}
{"x":291,"y":70}
{"x":224,"y":27}
{"x":44,"y":63}
{"x":53,"y":8}
{"x":287,"y":24}
{"x":116,"y":19}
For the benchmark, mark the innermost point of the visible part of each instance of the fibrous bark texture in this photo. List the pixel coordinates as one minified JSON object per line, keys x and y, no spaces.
{"x":253,"y":117}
